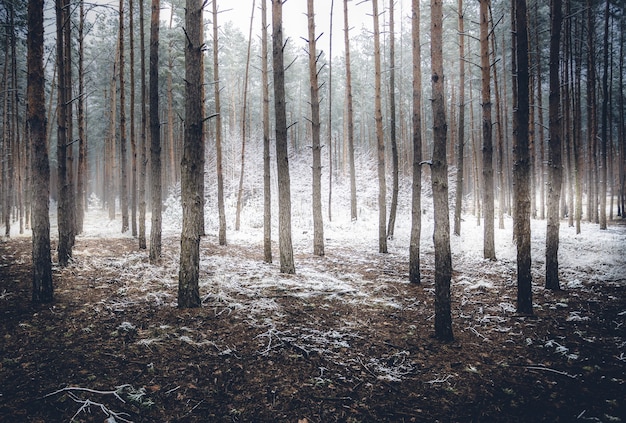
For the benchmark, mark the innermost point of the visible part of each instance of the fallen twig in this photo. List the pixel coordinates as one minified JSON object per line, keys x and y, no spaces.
{"x":547,"y":369}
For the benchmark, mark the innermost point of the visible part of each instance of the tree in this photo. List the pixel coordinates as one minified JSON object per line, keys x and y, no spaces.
{"x":123,"y":155}
{"x":133,"y":140}
{"x":143,"y":160}
{"x":350,"y":113}
{"x":554,"y":152}
{"x":330,"y":114}
{"x":192,"y":165}
{"x":318,"y":223}
{"x":380,"y":141}
{"x":416,"y":186}
{"x":439,"y":177}
{"x":392,"y":124}
{"x":218,"y":133}
{"x":605,"y":132}
{"x":460,"y":156}
{"x":65,"y":224}
{"x":82,"y":136}
{"x":155,"y":136}
{"x":489,"y":249}
{"x":282,"y":156}
{"x":42,"y":262}
{"x":521,"y":165}
{"x":267,"y":188}
{"x":243,"y":125}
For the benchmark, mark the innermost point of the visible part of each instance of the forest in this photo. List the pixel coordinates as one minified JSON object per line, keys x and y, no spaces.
{"x":312,"y":211}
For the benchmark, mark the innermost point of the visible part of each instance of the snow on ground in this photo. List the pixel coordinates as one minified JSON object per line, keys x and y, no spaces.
{"x":234,"y":279}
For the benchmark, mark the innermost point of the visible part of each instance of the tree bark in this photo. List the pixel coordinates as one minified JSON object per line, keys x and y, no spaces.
{"x":143,"y":161}
{"x":489,"y":249}
{"x":218,"y":132}
{"x":192,"y":165}
{"x":282,"y":156}
{"x":554,"y":153}
{"x":155,"y":137}
{"x":350,"y":112}
{"x":43,"y":290}
{"x":605,"y":131}
{"x":460,"y":159}
{"x":521,"y":156}
{"x":380,"y":141}
{"x":392,"y":123}
{"x":243,"y":126}
{"x":81,"y":195}
{"x":439,"y":177}
{"x":123,"y":155}
{"x":267,"y":188}
{"x":416,"y":186}
{"x":64,"y":248}
{"x":318,"y":222}
{"x":133,"y":138}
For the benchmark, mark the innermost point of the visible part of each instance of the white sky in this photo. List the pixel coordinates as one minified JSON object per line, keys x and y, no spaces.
{"x":295,"y":20}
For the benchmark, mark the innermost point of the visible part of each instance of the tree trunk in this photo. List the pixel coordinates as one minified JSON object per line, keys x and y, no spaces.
{"x":282,"y":156}
{"x":65,"y":226}
{"x":392,"y":123}
{"x":143,"y":161}
{"x":133,"y":140}
{"x":380,"y":141}
{"x":521,"y":156}
{"x":554,"y":153}
{"x":330,"y":114}
{"x":155,"y":137}
{"x":82,"y":136}
{"x":192,"y":165}
{"x":243,"y":126}
{"x":318,"y":222}
{"x":499,"y":132}
{"x":267,"y":188}
{"x":218,"y":132}
{"x":439,"y":176}
{"x":350,"y":112}
{"x":489,"y":249}
{"x":605,"y":130}
{"x":460,"y":159}
{"x":416,"y":186}
{"x":123,"y":156}
{"x":42,"y":261}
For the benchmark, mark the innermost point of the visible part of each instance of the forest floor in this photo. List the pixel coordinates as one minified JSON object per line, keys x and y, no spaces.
{"x":345,"y":339}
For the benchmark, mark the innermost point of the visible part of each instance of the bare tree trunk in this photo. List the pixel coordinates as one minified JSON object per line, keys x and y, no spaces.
{"x":392,"y":122}
{"x":539,"y":170}
{"x":111,"y":174}
{"x":267,"y":188}
{"x":282,"y":156}
{"x":143,"y":159}
{"x":489,"y":249}
{"x":439,"y":176}
{"x":350,"y":117}
{"x":133,"y":140}
{"x":460,"y":159}
{"x":521,"y":166}
{"x":554,"y":153}
{"x":43,"y":290}
{"x":192,"y":165}
{"x":499,"y":132}
{"x":64,"y":247}
{"x":123,"y":155}
{"x":82,"y":136}
{"x":592,"y":207}
{"x":155,"y":137}
{"x":218,"y":132}
{"x":380,"y":141}
{"x":605,"y":132}
{"x":330,"y":114}
{"x":243,"y":126}
{"x":416,"y":186}
{"x":318,"y":222}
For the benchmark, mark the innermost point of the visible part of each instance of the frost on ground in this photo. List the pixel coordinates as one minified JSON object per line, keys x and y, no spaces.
{"x":346,"y":338}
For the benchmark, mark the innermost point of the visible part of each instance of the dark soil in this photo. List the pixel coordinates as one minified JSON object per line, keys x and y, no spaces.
{"x":216,"y":364}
